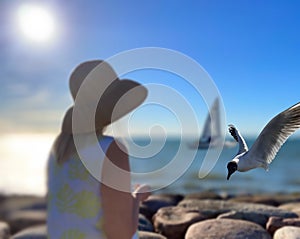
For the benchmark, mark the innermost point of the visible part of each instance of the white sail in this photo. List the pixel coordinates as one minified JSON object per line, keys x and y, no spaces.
{"x":211,"y":132}
{"x":206,"y":132}
{"x":212,"y":126}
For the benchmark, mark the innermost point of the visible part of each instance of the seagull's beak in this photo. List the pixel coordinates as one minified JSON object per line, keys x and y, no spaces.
{"x":229,"y":174}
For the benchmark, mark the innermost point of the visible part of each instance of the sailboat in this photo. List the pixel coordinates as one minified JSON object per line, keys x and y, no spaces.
{"x":211,"y":134}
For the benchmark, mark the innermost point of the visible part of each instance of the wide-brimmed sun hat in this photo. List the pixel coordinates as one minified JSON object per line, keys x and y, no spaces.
{"x":117,"y":97}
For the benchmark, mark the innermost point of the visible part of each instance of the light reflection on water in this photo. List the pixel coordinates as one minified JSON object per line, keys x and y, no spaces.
{"x":23,"y":160}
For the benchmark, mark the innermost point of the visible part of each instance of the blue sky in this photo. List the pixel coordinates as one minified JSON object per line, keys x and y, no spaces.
{"x":250,"y":49}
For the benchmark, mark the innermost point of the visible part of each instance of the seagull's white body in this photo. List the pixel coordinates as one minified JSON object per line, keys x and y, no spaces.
{"x":268,"y":143}
{"x":245,"y":162}
{"x":245,"y":159}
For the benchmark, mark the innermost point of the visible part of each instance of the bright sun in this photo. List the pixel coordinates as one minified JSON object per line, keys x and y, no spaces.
{"x":36,"y":23}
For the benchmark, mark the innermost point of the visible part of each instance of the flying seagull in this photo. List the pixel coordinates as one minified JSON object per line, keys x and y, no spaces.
{"x":268,"y":143}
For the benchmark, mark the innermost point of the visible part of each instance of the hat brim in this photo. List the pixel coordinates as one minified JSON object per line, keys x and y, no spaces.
{"x":119,"y":99}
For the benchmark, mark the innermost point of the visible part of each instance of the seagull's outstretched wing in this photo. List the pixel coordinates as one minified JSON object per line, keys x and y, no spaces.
{"x":274,"y":135}
{"x":239,"y":138}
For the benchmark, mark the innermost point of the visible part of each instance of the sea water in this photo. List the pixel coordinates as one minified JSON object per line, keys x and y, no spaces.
{"x":283,"y":174}
{"x":23,"y":163}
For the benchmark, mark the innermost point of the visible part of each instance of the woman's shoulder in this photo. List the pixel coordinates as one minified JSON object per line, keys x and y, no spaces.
{"x":106,"y":139}
{"x":113,"y":144}
{"x":117,"y":153}
{"x":113,"y":141}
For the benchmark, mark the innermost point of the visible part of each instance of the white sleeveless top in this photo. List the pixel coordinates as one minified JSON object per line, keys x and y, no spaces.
{"x":74,"y":202}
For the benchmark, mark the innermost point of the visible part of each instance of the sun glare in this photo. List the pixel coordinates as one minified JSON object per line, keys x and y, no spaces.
{"x":36,"y":23}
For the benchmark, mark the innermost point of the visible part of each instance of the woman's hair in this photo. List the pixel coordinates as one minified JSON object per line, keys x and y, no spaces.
{"x":64,"y":147}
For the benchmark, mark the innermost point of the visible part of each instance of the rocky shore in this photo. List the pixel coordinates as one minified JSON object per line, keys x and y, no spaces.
{"x":175,"y":216}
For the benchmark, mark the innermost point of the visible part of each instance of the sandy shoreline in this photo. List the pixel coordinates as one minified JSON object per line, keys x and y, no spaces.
{"x":177,"y":216}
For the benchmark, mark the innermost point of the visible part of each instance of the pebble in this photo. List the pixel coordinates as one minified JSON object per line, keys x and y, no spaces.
{"x":173,"y":222}
{"x":19,"y":220}
{"x":293,"y":206}
{"x":36,"y":232}
{"x":144,"y":224}
{"x":13,"y":203}
{"x":275,"y":223}
{"x":226,"y":229}
{"x":150,"y":235}
{"x":4,"y":230}
{"x":287,"y":232}
{"x":156,"y":201}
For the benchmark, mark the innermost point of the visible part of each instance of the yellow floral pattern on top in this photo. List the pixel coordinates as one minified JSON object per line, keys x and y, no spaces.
{"x":73,"y":234}
{"x":74,"y":200}
{"x":84,"y":204}
{"x":77,"y":171}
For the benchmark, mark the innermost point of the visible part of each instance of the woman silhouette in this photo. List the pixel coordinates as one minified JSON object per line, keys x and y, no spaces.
{"x":82,"y":205}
